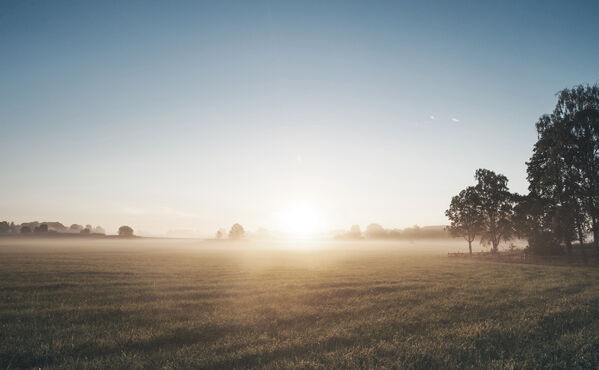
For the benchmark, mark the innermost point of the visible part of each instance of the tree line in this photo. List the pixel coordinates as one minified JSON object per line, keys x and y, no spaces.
{"x":562,"y":205}
{"x":375,"y":231}
{"x":57,"y":228}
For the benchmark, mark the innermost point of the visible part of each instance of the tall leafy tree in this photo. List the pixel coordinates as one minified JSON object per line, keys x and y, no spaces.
{"x":464,"y":215}
{"x":552,"y":180}
{"x":564,"y":169}
{"x":496,"y":207}
{"x":578,"y":110}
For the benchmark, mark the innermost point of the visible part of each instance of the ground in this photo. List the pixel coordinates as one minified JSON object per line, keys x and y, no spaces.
{"x":192,"y":304}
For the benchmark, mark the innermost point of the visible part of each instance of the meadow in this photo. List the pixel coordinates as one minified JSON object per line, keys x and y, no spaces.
{"x":193,"y":304}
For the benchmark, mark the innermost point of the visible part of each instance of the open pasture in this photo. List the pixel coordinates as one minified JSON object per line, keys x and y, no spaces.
{"x":192,"y":304}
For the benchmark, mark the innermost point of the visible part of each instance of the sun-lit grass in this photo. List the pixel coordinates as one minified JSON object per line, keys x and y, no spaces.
{"x":168,"y":304}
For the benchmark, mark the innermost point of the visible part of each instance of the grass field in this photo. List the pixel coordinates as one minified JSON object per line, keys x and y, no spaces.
{"x":187,"y":304}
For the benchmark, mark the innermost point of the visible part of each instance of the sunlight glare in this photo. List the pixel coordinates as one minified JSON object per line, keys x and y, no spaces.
{"x":300,"y":220}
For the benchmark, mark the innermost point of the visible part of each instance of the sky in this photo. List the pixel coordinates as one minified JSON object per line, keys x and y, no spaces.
{"x":173,"y":115}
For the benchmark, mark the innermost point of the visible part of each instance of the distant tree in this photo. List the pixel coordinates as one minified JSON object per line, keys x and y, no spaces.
{"x":4,"y":227}
{"x":25,"y":230}
{"x":393,"y":234}
{"x":236,"y":232}
{"x":31,"y":225}
{"x":85,"y":231}
{"x":99,"y":230}
{"x":125,"y":231}
{"x":76,"y":227}
{"x":355,"y":232}
{"x":412,"y":233}
{"x":465,"y":216}
{"x":56,"y":226}
{"x":221,"y":233}
{"x":43,"y":228}
{"x":375,"y":231}
{"x":496,"y":207}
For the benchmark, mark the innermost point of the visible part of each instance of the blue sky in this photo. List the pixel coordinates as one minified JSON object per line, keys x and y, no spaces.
{"x":195,"y":115}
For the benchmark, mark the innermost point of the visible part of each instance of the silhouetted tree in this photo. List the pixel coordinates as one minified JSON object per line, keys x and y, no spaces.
{"x":85,"y":231}
{"x":465,"y":216}
{"x":496,"y":207}
{"x":25,"y":230}
{"x":531,"y":222}
{"x":355,"y":232}
{"x":76,"y":227}
{"x":236,"y":232}
{"x":4,"y":227}
{"x":125,"y":231}
{"x":31,"y":225}
{"x":564,"y":168}
{"x":221,"y":233}
{"x":375,"y":231}
{"x":99,"y":230}
{"x":56,"y":226}
{"x":552,"y":183}
{"x":43,"y":228}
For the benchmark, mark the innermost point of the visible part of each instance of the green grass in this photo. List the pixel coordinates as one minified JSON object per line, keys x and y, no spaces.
{"x":169,"y":304}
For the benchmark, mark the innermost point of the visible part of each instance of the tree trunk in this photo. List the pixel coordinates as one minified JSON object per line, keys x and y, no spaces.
{"x":470,"y":247}
{"x":569,"y":247}
{"x":595,"y":235}
{"x":495,"y":247}
{"x":580,"y":235}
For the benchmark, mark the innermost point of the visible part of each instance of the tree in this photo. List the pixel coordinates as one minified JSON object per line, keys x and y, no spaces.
{"x":25,"y":230}
{"x":76,"y":227}
{"x":4,"y":227}
{"x":99,"y":230}
{"x":85,"y":231}
{"x":355,"y":232}
{"x":465,"y":216}
{"x":125,"y":231}
{"x":236,"y":232}
{"x":531,"y":222}
{"x":43,"y":228}
{"x":375,"y":231}
{"x":221,"y":233}
{"x":552,"y":183}
{"x":577,"y":113}
{"x":496,"y":207}
{"x":564,"y":169}
{"x":56,"y":226}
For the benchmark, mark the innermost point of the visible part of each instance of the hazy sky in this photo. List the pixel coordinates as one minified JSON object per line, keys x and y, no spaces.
{"x":190,"y":115}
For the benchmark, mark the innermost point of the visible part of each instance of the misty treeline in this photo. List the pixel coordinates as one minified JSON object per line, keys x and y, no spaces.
{"x":377,"y":232}
{"x":236,"y":232}
{"x":562,"y":205}
{"x":57,"y":228}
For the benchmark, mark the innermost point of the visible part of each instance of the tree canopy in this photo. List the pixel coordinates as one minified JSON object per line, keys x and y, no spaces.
{"x":237,"y":232}
{"x":125,"y":231}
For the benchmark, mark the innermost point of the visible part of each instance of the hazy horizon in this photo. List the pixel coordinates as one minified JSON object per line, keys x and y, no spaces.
{"x":169,"y":116}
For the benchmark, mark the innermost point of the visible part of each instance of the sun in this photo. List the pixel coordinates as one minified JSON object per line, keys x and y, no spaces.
{"x":300,"y":220}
